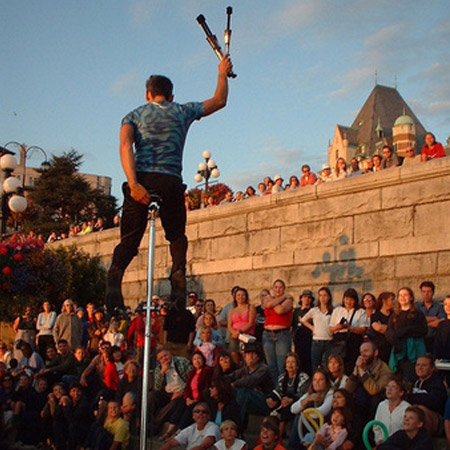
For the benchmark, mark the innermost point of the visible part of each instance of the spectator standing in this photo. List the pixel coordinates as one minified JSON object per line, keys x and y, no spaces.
{"x":442,"y":338}
{"x":45,"y":323}
{"x":30,"y":360}
{"x":260,"y":316}
{"x":97,"y":330}
{"x":302,"y":335}
{"x":354,"y":168}
{"x":278,"y":184}
{"x":277,"y":333}
{"x":340,"y":170}
{"x":390,"y":159}
{"x":294,"y":182}
{"x":377,"y":159}
{"x":433,"y":312}
{"x":406,"y":330}
{"x":410,"y":156}
{"x":136,"y":334}
{"x":25,"y":328}
{"x":379,"y":322}
{"x":308,"y":178}
{"x":432,"y":149}
{"x":325,"y":175}
{"x":68,"y":326}
{"x":318,"y":321}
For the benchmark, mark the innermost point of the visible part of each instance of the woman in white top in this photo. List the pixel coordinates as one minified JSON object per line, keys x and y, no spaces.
{"x":391,"y":411}
{"x":45,"y":323}
{"x":348,"y":325}
{"x":317,"y":320}
{"x":319,"y":396}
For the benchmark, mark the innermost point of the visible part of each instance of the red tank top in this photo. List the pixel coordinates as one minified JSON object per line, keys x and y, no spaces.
{"x":281,"y":320}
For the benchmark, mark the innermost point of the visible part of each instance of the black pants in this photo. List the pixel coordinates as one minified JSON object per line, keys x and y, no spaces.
{"x":132,"y":227}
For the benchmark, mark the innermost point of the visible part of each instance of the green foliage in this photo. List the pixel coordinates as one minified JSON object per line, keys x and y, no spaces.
{"x":62,"y":197}
{"x":30,"y":274}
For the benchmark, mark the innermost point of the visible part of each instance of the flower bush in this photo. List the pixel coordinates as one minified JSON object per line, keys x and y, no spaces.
{"x":30,"y":274}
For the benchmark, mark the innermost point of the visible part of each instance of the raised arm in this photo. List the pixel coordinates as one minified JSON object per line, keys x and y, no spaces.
{"x":219,"y":100}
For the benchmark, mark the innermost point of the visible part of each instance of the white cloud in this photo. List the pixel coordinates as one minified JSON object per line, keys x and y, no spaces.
{"x":127,"y":83}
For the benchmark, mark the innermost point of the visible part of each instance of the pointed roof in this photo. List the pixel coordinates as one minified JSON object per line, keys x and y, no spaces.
{"x":350,"y":133}
{"x":384,"y":105}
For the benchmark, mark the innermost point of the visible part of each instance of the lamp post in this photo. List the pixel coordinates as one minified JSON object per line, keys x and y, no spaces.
{"x":27,"y":152}
{"x":10,"y":198}
{"x":206,"y":170}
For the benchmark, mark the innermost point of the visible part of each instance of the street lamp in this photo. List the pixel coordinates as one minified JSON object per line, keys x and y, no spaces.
{"x":27,"y":152}
{"x":10,"y":198}
{"x":206,"y":170}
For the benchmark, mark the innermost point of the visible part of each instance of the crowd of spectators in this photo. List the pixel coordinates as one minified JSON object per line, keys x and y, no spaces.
{"x":73,"y":379}
{"x":357,"y":166}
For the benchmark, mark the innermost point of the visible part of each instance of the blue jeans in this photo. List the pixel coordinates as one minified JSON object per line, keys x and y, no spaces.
{"x":319,"y":353}
{"x":276,"y":345}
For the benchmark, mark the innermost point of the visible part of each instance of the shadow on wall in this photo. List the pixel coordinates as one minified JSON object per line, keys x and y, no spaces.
{"x":161,"y":288}
{"x":342,"y":266}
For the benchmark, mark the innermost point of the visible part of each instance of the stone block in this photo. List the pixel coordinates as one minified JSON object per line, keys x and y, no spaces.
{"x":222,"y":266}
{"x":416,"y":265}
{"x":309,"y":235}
{"x":432,"y":219}
{"x":411,"y":245}
{"x":261,"y":219}
{"x":415,"y":192}
{"x":275,"y":259}
{"x":233,"y":224}
{"x":264,"y":241}
{"x":199,"y":250}
{"x":227,"y":247}
{"x":443,"y":263}
{"x":381,"y":225}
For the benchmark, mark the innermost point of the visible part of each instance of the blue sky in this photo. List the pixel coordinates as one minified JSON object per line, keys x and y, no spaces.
{"x":71,"y":70}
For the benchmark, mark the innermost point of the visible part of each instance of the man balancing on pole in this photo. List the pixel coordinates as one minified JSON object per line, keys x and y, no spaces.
{"x":158,"y":131}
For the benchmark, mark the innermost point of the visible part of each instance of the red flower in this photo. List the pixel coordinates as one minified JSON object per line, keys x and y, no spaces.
{"x":6,"y":270}
{"x":3,"y":249}
{"x":18,"y":257}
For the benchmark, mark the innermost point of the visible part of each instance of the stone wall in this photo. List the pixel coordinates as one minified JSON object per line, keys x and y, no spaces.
{"x":374,"y":232}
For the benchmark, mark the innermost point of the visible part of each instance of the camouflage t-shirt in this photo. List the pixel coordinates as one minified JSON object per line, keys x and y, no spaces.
{"x":160,"y":131}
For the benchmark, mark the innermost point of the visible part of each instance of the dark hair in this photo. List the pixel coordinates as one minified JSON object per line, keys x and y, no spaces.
{"x":430,"y":358}
{"x":388,"y":147}
{"x":198,"y":352}
{"x":306,"y":166}
{"x":218,"y":372}
{"x":429,"y":284}
{"x":370,"y":295}
{"x":111,"y":351}
{"x":398,"y":380}
{"x":432,"y":135}
{"x":398,"y":309}
{"x":224,"y":389}
{"x":330,"y":298}
{"x":159,"y":85}
{"x":351,"y":293}
{"x":382,"y":298}
{"x":279,"y":281}
{"x":272,"y":423}
{"x":235,"y":293}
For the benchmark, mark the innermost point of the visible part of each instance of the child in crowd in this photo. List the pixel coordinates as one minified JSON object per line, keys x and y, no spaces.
{"x":229,"y":441}
{"x":206,"y":347}
{"x":331,"y":435}
{"x":269,"y":435}
{"x":114,"y":336}
{"x":413,"y":436}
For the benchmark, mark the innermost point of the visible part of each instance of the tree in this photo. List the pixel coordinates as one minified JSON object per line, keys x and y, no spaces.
{"x":62,"y":197}
{"x":196,"y":196}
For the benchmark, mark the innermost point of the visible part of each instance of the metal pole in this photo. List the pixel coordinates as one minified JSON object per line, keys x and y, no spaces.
{"x":153,"y":209}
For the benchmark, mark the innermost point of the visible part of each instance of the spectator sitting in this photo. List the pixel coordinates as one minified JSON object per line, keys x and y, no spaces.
{"x":222,"y":403}
{"x":333,"y":434}
{"x":336,"y":373}
{"x":250,"y":192}
{"x":354,"y":168}
{"x":209,"y":320}
{"x":432,"y":149}
{"x":252,"y":383}
{"x":201,"y":435}
{"x":278,"y":184}
{"x":291,"y":385}
{"x":377,"y":159}
{"x":269,"y":435}
{"x":410,"y":156}
{"x":442,"y":338}
{"x":130,"y":412}
{"x":113,"y":371}
{"x":325,"y":174}
{"x":225,"y":365}
{"x":433,"y":312}
{"x":80,"y":364}
{"x":413,"y":436}
{"x":368,"y":381}
{"x":390,"y":412}
{"x":229,"y":441}
{"x":136,"y":334}
{"x":62,"y":364}
{"x":389,"y":158}
{"x":5,"y":354}
{"x":117,"y":427}
{"x":130,"y":382}
{"x":114,"y":336}
{"x":308,"y":178}
{"x":227,"y":199}
{"x":429,"y":393}
{"x":319,"y":396}
{"x":170,"y":377}
{"x":206,"y":346}
{"x":340,"y":170}
{"x":30,"y":360}
{"x":294,"y":183}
